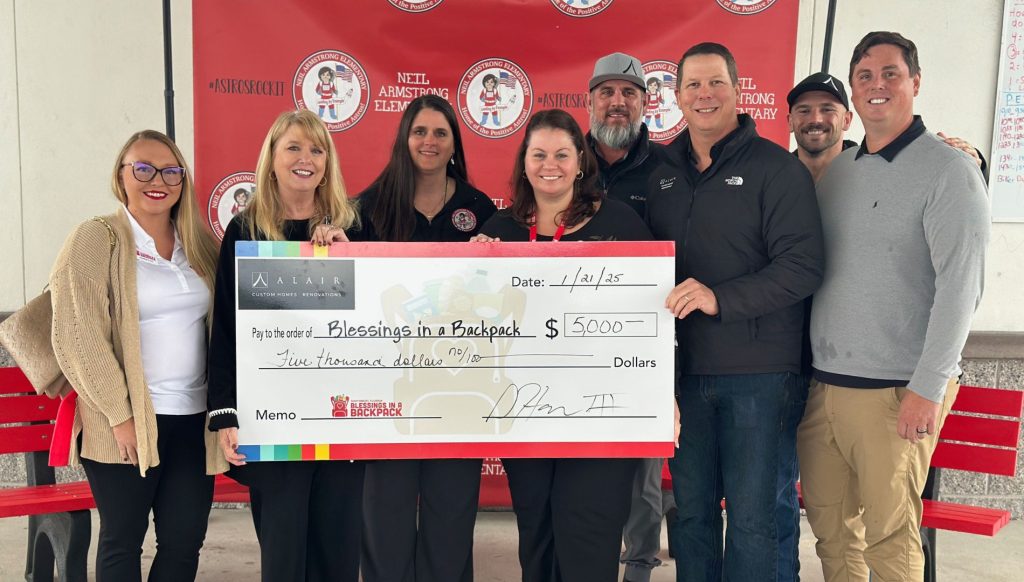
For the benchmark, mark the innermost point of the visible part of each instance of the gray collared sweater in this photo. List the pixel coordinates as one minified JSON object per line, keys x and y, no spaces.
{"x":904,"y":264}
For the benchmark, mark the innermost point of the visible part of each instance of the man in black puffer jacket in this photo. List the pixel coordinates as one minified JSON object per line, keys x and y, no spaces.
{"x":745,"y":220}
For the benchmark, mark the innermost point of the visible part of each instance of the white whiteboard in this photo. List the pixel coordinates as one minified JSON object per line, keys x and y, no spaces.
{"x":1006,"y":176}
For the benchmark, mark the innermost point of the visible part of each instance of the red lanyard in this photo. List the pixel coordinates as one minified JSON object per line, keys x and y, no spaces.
{"x":558,"y":233}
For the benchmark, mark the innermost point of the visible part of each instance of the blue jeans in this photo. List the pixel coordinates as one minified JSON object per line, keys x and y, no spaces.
{"x":787,"y":510}
{"x":733,"y":433}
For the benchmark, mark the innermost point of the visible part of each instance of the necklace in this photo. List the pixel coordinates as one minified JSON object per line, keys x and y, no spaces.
{"x":444,"y":198}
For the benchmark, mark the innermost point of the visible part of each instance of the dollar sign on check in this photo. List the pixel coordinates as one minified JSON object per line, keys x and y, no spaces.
{"x":552,"y":330}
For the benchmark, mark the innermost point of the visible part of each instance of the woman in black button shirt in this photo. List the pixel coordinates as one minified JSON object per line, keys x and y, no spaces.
{"x":422,"y":196}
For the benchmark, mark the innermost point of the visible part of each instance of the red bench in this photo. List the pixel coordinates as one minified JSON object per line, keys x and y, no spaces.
{"x":58,"y":513}
{"x":980,"y":444}
{"x":967,"y":442}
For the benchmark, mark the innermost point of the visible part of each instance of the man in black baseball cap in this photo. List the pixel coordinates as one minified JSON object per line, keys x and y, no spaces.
{"x":819,"y":115}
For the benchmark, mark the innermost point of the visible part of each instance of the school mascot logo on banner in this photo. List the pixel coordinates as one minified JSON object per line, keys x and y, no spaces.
{"x":581,"y":8}
{"x":334,"y":86}
{"x":229,"y":197}
{"x":415,"y":5}
{"x":745,"y":7}
{"x":495,"y":98}
{"x":662,"y":115}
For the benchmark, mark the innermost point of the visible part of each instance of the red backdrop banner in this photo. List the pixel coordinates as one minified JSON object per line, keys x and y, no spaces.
{"x":358,"y":63}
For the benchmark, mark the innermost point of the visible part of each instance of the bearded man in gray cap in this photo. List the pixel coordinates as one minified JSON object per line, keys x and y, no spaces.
{"x":626,"y":157}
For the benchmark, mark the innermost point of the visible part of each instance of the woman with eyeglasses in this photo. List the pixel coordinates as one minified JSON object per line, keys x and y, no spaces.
{"x":307,"y":513}
{"x":131,"y":296}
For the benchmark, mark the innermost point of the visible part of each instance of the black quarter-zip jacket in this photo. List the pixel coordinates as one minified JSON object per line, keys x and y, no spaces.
{"x":626,"y":180}
{"x":748,"y":227}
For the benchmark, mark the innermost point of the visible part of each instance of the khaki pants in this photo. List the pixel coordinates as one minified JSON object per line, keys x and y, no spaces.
{"x":862,"y":483}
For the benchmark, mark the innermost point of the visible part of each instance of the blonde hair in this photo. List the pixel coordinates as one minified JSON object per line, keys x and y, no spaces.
{"x":265,"y":213}
{"x":201,"y":248}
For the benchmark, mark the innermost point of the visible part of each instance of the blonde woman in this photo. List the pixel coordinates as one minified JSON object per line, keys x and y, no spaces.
{"x":307,"y":513}
{"x":129,"y":331}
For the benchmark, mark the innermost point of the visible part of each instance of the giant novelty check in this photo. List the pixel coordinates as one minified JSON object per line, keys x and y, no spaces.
{"x":449,"y":350}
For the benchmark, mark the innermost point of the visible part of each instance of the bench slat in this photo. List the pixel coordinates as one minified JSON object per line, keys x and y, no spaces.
{"x":27,"y":408}
{"x":974,"y":458}
{"x":46,"y":499}
{"x":955,"y":517}
{"x":981,"y":431}
{"x":25,"y":439}
{"x":989,"y":401}
{"x":13,"y":381}
{"x":964,"y":518}
{"x":75,"y":496}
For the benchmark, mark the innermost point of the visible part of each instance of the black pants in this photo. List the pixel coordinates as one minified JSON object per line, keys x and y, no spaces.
{"x":570,"y":514}
{"x":178,"y":492}
{"x":441,"y":548}
{"x":308,"y":516}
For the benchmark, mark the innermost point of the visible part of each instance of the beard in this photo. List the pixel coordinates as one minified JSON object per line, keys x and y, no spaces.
{"x":615,"y":137}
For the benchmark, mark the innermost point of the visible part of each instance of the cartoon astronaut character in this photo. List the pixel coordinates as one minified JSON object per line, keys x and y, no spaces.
{"x":489,"y":99}
{"x":326,"y":91}
{"x":655,"y":101}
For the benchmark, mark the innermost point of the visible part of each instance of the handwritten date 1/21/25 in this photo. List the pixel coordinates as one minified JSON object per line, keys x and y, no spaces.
{"x":582,"y":278}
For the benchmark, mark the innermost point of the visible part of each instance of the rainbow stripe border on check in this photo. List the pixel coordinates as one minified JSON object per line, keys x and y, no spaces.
{"x":461,"y":450}
{"x":287,"y":452}
{"x":267,"y":248}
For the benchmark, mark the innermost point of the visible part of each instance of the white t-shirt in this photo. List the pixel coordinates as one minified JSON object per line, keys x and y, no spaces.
{"x":173,"y":303}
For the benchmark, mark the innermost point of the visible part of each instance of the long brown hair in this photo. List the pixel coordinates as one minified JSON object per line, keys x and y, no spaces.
{"x":585,"y":193}
{"x":394,"y":215}
{"x":201,"y":248}
{"x":265,"y":213}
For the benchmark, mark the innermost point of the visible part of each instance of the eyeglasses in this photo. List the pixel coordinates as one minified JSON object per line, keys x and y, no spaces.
{"x":143,"y":172}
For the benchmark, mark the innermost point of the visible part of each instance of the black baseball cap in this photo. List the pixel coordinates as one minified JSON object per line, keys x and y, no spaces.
{"x":819,"y":82}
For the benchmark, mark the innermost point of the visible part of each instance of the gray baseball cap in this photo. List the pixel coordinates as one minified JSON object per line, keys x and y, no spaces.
{"x":618,"y":66}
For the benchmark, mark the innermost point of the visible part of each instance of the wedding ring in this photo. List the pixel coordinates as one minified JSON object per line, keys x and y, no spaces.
{"x":922,"y":431}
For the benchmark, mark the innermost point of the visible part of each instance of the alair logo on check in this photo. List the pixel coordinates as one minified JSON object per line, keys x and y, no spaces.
{"x":734,"y":181}
{"x":295,"y":283}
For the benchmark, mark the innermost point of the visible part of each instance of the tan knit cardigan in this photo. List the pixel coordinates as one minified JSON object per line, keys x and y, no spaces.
{"x":96,"y":341}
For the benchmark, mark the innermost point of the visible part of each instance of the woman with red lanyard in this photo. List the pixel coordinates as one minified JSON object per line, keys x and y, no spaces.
{"x":570,"y":512}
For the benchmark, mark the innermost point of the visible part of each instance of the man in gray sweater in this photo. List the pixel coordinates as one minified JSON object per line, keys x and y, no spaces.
{"x":906,"y":223}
